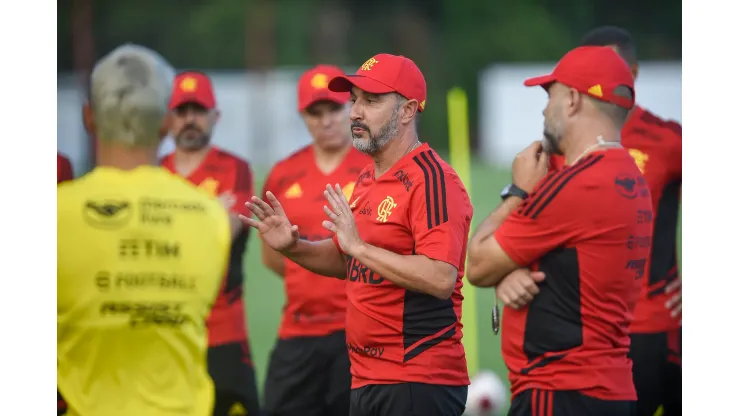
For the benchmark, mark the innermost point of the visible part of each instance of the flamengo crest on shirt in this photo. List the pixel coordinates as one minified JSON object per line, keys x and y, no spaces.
{"x":385,"y":208}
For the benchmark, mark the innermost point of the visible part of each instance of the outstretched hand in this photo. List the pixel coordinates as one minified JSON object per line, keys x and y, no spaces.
{"x":273,"y":225}
{"x":341,"y":221}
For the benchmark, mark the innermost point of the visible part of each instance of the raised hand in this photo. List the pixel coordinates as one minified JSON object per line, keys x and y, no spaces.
{"x":274,"y":227}
{"x":341,"y":221}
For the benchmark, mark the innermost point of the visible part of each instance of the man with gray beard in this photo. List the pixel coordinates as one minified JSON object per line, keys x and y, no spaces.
{"x":194,"y":115}
{"x":400,"y":244}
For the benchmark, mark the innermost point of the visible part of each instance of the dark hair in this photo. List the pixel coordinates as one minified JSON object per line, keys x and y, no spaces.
{"x":613,"y":35}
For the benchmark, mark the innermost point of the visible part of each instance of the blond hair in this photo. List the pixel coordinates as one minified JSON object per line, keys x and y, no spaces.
{"x":129,"y":92}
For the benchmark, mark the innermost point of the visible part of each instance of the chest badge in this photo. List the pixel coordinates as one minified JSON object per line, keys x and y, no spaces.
{"x":294,"y":191}
{"x":210,"y":185}
{"x":640,"y":159}
{"x":385,"y":208}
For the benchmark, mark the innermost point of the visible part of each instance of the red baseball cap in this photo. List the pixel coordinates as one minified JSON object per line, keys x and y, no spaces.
{"x":384,"y":73}
{"x":593,"y":70}
{"x":313,"y":86}
{"x":192,"y":87}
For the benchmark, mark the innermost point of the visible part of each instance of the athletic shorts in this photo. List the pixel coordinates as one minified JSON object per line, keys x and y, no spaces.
{"x":308,"y":376}
{"x":408,"y":399}
{"x":536,"y":402}
{"x":230,"y":367}
{"x":656,"y":370}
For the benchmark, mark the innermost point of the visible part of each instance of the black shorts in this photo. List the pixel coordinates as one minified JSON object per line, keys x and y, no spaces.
{"x":408,"y":399}
{"x":230,"y":367}
{"x":308,"y":376}
{"x":567,"y":403}
{"x":656,"y":370}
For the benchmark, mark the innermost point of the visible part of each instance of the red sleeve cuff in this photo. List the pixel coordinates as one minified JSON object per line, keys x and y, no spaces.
{"x":508,"y":248}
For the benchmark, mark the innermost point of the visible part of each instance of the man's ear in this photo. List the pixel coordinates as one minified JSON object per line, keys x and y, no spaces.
{"x":409,"y":111}
{"x":164,"y":129}
{"x":88,"y":119}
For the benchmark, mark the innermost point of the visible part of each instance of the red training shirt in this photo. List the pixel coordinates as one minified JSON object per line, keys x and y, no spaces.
{"x":656,"y":147}
{"x":395,"y":335}
{"x":64,"y":169}
{"x":220,"y":172}
{"x":577,"y":226}
{"x":315,"y":305}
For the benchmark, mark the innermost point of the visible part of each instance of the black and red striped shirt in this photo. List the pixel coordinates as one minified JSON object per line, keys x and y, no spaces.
{"x":395,"y":335}
{"x":578,"y":227}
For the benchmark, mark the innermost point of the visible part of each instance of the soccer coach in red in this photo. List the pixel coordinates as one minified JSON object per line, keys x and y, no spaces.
{"x":567,"y":349}
{"x":400,"y":244}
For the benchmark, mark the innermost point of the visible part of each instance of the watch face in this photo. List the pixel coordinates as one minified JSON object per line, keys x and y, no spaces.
{"x":505,"y":191}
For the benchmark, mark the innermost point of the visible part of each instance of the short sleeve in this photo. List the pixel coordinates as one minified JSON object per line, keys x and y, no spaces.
{"x":542,"y":223}
{"x":440,"y":219}
{"x":243,"y":188}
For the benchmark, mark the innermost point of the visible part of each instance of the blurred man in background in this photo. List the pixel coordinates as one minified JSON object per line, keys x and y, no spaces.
{"x":400,"y":245}
{"x":656,"y":146}
{"x":141,"y":255}
{"x":567,"y":350}
{"x":64,"y":169}
{"x":228,"y":177}
{"x":308,"y":373}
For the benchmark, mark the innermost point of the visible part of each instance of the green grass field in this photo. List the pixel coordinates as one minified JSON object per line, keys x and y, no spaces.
{"x":264,"y":291}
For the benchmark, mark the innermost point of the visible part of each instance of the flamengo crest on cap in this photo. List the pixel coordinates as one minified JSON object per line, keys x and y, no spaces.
{"x":189,"y":84}
{"x":368,"y":65}
{"x":320,"y":82}
{"x":422,"y":104}
{"x":596,"y":90}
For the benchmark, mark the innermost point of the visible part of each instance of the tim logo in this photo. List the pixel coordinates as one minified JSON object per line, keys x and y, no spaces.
{"x":403,"y":177}
{"x":372,"y":352}
{"x":107,"y":214}
{"x":385,"y":208}
{"x":359,"y":273}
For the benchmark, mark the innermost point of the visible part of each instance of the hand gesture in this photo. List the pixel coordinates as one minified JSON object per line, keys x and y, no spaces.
{"x":529,"y":166}
{"x":274,"y":227}
{"x":674,"y":303}
{"x":341,"y":221}
{"x":519,"y":287}
{"x":228,"y":200}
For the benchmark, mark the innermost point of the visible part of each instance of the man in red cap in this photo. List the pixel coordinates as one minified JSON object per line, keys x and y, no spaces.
{"x":308,"y":372}
{"x":399,"y":243}
{"x":656,"y":146}
{"x":194,"y":115}
{"x":565,"y":331}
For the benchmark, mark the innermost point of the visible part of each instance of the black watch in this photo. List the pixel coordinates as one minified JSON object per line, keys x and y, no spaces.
{"x":513,"y":190}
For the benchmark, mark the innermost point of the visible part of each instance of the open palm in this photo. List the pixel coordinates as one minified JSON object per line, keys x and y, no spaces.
{"x":274,"y":226}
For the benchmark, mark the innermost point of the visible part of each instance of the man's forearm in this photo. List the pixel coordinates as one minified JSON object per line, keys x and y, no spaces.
{"x":320,"y":257}
{"x":414,"y":272}
{"x":480,"y":259}
{"x":489,"y":226}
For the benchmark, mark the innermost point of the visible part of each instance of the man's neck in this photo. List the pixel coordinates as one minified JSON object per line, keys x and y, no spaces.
{"x":393,"y":152}
{"x":329,"y":160}
{"x":186,"y":162}
{"x":586,"y":141}
{"x":124,"y":157}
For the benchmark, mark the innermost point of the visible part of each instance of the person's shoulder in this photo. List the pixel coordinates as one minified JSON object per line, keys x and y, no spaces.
{"x":294,"y":161}
{"x":428,"y":172}
{"x":657,"y":126}
{"x":224,"y":156}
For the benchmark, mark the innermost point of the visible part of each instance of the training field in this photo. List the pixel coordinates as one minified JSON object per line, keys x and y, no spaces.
{"x":264,"y":292}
